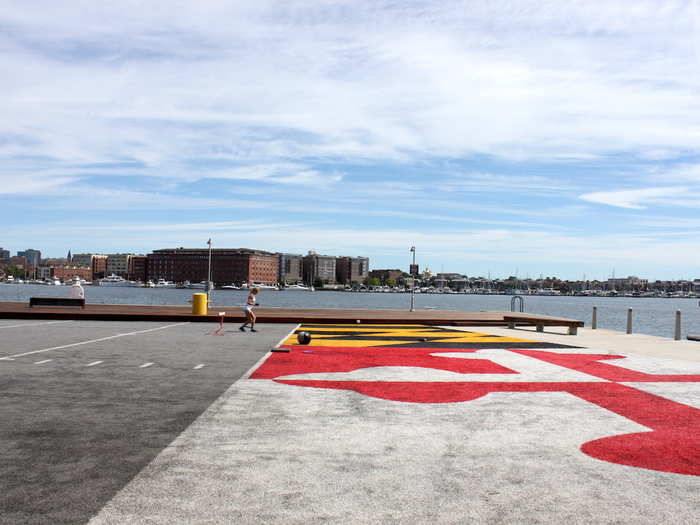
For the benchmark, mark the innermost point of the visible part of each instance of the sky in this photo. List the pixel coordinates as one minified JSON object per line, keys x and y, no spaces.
{"x":499,"y":138}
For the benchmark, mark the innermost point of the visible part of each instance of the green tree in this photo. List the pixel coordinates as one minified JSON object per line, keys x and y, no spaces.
{"x":391,"y":283}
{"x":374,"y":281}
{"x":14,"y":271}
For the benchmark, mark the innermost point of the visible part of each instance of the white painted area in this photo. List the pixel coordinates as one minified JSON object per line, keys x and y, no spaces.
{"x":94,"y":363}
{"x":291,"y":454}
{"x":146,"y":365}
{"x":528,"y":370}
{"x":686,"y":393}
{"x":201,"y":365}
{"x":92,"y":341}
{"x":31,"y":324}
{"x":44,"y":361}
{"x":655,"y":365}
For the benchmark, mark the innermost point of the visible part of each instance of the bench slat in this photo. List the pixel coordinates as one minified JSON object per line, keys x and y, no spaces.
{"x":56,"y":301}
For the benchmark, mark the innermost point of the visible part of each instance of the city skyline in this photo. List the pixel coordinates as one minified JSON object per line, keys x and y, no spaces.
{"x":504,"y":138}
{"x":518,"y":275}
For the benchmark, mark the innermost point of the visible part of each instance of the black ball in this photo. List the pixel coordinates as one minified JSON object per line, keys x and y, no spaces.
{"x":304,"y":338}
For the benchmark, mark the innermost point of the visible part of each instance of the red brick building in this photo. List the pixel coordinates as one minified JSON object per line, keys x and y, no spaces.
{"x":137,"y":268}
{"x":66,"y":273}
{"x":239,"y":265}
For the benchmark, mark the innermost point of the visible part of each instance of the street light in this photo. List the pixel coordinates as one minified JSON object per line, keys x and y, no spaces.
{"x":209,"y":271}
{"x":413,"y":280}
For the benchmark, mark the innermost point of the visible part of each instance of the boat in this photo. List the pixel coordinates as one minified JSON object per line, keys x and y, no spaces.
{"x":162,"y":283}
{"x":114,"y":280}
{"x":229,"y":287}
{"x":299,"y":287}
{"x":259,"y":286}
{"x":197,"y":286}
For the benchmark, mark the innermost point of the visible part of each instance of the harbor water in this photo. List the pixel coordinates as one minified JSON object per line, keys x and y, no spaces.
{"x":651,"y":316}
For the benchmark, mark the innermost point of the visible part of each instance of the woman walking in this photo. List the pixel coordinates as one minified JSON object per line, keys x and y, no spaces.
{"x":248,"y":309}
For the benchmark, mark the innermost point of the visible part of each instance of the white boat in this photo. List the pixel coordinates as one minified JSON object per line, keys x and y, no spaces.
{"x":162,"y":283}
{"x":229,"y":287}
{"x":197,"y":286}
{"x":298,"y":287}
{"x":259,"y":286}
{"x":114,"y":280}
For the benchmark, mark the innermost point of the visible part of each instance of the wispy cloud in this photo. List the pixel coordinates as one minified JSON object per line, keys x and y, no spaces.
{"x":637,"y":199}
{"x":497,"y":117}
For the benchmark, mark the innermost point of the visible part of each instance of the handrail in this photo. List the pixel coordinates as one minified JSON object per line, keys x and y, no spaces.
{"x":512,"y":303}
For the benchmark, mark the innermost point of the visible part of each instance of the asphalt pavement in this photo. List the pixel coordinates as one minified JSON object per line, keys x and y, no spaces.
{"x":86,"y":405}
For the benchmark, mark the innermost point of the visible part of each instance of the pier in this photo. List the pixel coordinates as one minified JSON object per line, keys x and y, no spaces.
{"x":391,"y":421}
{"x":116,"y":312}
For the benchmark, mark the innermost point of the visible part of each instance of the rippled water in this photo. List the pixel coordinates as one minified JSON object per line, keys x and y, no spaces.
{"x":651,"y":316}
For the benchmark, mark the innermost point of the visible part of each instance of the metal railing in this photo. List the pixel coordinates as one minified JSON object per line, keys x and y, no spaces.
{"x":513,"y":301}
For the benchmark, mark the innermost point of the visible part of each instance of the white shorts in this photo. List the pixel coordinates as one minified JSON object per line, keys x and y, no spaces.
{"x":248,"y":309}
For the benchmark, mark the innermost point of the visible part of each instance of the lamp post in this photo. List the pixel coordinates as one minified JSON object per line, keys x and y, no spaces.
{"x":413,"y":281}
{"x":209,"y":271}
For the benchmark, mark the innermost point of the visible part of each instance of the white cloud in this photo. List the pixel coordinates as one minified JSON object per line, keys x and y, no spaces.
{"x":33,"y":185}
{"x":539,"y":81}
{"x":636,"y":199}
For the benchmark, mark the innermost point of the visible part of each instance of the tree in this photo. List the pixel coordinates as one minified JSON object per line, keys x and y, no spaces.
{"x":374,"y":281}
{"x":390,"y":283}
{"x":14,"y":271}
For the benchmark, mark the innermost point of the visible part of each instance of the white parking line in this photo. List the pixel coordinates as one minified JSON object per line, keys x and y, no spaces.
{"x":94,"y":363}
{"x":44,"y":361}
{"x":198,"y":367}
{"x":31,"y":324}
{"x":146,"y":365}
{"x":10,"y":357}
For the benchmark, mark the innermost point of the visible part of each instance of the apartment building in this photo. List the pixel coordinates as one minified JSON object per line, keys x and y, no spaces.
{"x":291,"y":268}
{"x":118,"y":264}
{"x":33,"y":257}
{"x":137,"y":270}
{"x":350,"y":270}
{"x":237,"y":265}
{"x":96,"y":262}
{"x":319,"y":268}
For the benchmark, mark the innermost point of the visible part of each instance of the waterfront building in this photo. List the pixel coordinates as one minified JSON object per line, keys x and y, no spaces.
{"x":33,"y":257}
{"x":97,"y":262}
{"x":137,"y":268}
{"x":449,"y":276}
{"x":291,"y":268}
{"x":386,"y":275}
{"x":4,"y":254}
{"x":625,"y":283}
{"x":414,"y":270}
{"x":63,"y":272}
{"x":228,"y":265}
{"x":350,"y":270}
{"x":118,"y":264}
{"x":319,"y":268}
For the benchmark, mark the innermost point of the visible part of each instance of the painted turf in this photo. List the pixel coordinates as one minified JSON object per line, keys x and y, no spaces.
{"x":419,"y":424}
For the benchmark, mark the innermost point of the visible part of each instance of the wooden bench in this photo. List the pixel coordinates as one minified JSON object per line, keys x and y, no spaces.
{"x":55,"y":301}
{"x":540,"y":323}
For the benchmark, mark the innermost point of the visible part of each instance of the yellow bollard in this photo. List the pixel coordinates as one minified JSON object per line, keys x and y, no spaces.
{"x":199,"y":304}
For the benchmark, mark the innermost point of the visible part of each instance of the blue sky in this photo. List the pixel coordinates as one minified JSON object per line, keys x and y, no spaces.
{"x":557,"y":138}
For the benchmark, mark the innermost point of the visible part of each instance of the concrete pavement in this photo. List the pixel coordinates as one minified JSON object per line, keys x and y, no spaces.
{"x":342,"y":432}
